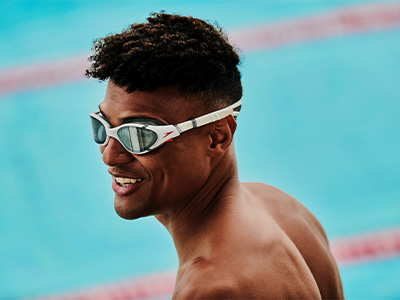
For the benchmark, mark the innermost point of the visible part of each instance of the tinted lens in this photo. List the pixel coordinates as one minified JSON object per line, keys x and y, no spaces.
{"x":99,"y":132}
{"x":137,"y":139}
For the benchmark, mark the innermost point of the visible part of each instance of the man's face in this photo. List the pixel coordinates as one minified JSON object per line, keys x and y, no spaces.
{"x":167,"y":177}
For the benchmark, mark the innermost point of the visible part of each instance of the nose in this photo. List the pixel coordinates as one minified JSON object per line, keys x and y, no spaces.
{"x":114,"y":153}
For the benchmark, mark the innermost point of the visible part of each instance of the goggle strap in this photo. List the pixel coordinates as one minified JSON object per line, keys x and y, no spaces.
{"x":209,"y":118}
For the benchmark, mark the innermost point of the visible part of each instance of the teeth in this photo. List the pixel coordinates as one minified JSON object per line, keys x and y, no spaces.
{"x":127,"y":181}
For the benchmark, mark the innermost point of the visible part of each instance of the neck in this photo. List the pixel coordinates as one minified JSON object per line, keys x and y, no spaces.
{"x":190,"y":223}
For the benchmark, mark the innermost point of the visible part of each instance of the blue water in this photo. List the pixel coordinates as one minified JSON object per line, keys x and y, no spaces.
{"x":319,"y":120}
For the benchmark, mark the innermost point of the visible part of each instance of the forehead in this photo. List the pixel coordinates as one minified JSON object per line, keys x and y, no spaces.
{"x":164,"y":104}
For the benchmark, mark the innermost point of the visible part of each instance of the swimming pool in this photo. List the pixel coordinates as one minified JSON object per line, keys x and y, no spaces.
{"x":327,"y":107}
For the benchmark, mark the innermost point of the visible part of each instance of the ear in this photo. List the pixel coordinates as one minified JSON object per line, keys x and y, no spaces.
{"x":221,"y":136}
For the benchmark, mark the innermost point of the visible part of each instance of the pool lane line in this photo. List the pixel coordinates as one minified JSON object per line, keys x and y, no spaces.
{"x":159,"y":285}
{"x":370,"y":247}
{"x":42,"y":75}
{"x":348,"y":20}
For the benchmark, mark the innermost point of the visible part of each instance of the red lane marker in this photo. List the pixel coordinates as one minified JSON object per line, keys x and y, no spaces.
{"x":344,"y":21}
{"x":146,"y":287}
{"x":42,"y":75}
{"x":366,"y":248}
{"x":349,"y":20}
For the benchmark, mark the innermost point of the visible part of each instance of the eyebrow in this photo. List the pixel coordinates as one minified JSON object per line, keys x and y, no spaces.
{"x":130,"y":118}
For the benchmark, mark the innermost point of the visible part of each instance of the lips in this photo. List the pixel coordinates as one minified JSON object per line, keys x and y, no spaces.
{"x":124,"y":186}
{"x":124,"y":183}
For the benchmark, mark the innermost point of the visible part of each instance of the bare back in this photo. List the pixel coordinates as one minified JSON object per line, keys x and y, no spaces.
{"x":267,"y":245}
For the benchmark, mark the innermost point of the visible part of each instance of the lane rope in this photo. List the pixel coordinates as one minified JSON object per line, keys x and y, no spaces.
{"x":367,"y":247}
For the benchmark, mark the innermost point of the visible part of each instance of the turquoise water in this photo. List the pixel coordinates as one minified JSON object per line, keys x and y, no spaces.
{"x":319,"y":120}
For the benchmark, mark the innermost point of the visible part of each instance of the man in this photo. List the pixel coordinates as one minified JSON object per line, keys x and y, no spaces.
{"x":165,"y":130}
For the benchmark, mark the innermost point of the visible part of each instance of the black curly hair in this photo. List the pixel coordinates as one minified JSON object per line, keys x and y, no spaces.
{"x":170,"y":50}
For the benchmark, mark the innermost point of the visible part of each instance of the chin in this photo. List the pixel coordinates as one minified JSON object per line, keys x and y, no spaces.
{"x":127,"y":212}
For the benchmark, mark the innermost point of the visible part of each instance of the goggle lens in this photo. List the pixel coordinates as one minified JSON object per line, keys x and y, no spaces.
{"x":99,"y":131}
{"x":136,"y":139}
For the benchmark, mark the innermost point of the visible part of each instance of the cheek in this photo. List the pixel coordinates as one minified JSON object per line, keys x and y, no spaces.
{"x":182,"y":165}
{"x":191,"y":166}
{"x":184,"y":178}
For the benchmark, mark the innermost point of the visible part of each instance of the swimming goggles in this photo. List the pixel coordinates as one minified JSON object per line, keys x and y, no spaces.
{"x":143,"y":138}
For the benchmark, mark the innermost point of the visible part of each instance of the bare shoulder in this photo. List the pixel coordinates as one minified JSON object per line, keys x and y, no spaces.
{"x":287,"y":211}
{"x":273,"y":249}
{"x":241,"y":281}
{"x":305,"y":232}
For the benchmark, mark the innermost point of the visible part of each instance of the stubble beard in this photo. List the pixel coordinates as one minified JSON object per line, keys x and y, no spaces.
{"x":134,"y":207}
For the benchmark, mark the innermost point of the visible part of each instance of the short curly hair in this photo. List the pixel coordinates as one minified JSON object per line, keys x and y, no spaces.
{"x":170,"y":50}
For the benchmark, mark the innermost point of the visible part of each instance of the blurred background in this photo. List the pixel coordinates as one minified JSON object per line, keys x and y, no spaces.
{"x":320,"y":120}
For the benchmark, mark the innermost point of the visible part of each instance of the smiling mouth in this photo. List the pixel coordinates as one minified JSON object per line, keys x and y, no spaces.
{"x":125,"y":182}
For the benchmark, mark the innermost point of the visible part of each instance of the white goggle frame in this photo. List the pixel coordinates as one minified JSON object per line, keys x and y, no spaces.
{"x":165,"y":133}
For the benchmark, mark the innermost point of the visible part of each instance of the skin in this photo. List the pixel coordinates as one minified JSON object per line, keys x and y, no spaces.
{"x":234,"y":240}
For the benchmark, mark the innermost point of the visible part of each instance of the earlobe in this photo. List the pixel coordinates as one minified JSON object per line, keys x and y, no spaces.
{"x":221,"y":136}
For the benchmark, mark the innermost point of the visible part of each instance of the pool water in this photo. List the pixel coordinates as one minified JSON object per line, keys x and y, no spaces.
{"x":319,"y":120}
